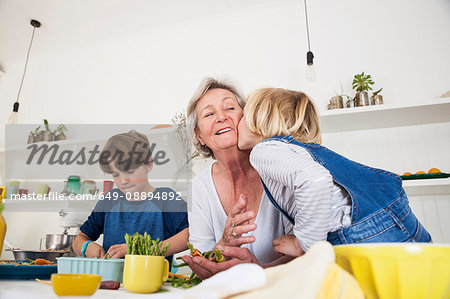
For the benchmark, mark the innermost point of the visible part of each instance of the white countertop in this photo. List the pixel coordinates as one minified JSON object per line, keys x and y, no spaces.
{"x":221,"y":285}
{"x":25,"y":289}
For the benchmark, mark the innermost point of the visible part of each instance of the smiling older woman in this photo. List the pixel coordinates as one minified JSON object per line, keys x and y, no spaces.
{"x":229,"y":207}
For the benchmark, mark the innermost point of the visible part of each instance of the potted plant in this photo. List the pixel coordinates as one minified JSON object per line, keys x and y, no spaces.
{"x":350,"y":102}
{"x":33,"y":136}
{"x":145,"y":267}
{"x":337,"y":101}
{"x":376,"y":98}
{"x":48,"y":134}
{"x":361,"y":83}
{"x":59,"y":132}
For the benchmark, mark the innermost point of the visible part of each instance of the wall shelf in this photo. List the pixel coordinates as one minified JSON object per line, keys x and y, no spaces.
{"x":427,"y":187}
{"x":385,"y":116}
{"x":81,"y":141}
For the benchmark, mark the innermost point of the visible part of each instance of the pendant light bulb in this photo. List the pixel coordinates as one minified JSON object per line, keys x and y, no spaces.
{"x":14,"y":116}
{"x":310,"y":69}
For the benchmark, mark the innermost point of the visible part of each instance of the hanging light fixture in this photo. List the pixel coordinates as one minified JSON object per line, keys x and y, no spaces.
{"x":13,"y":118}
{"x":310,"y":70}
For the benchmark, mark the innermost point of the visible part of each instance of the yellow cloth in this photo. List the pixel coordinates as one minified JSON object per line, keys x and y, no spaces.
{"x":314,"y":275}
{"x":339,"y":284}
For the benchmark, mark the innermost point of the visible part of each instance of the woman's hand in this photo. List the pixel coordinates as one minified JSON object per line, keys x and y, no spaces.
{"x":237,"y":224}
{"x":205,"y":268}
{"x":94,"y":250}
{"x":117,"y":251}
{"x":287,"y":245}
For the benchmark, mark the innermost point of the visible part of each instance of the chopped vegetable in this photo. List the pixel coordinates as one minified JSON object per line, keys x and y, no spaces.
{"x":214,"y":255}
{"x":37,"y":262}
{"x":177,"y":275}
{"x":184,"y":282}
{"x":194,"y":252}
{"x":42,"y":262}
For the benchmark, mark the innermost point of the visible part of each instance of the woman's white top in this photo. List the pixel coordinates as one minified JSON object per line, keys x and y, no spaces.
{"x":207,"y":220}
{"x":304,"y":189}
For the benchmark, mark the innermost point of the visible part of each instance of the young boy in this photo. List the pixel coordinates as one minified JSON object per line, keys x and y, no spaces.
{"x":325,"y":195}
{"x":135,"y":206}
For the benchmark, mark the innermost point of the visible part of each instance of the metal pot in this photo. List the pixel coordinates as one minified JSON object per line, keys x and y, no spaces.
{"x":336,"y":102}
{"x":60,"y":136}
{"x":362,"y":99}
{"x":49,"y":136}
{"x":376,"y":100}
{"x":32,"y":255}
{"x":59,"y":241}
{"x":350,"y":103}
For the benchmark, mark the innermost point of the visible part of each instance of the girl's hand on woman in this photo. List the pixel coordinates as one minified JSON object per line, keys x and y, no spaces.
{"x":237,"y":224}
{"x":287,"y":245}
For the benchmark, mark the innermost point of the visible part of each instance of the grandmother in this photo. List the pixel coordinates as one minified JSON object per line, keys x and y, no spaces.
{"x":229,"y":207}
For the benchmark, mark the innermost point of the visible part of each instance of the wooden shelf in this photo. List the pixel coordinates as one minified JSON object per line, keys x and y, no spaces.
{"x":385,"y":116}
{"x":427,"y":187}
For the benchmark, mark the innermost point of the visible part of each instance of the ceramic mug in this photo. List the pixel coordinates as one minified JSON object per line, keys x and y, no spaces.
{"x":10,"y":191}
{"x":144,"y":273}
{"x":42,"y":189}
{"x":12,"y":188}
{"x":107,"y":185}
{"x":23,"y":191}
{"x":14,"y":184}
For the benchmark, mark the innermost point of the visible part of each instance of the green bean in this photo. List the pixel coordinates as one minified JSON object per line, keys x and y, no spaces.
{"x":138,"y":244}
{"x":184,"y":282}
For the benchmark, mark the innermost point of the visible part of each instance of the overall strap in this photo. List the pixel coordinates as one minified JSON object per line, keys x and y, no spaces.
{"x":286,"y":139}
{"x":274,"y":203}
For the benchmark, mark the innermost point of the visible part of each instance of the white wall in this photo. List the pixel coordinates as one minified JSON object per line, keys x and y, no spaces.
{"x":148,"y":77}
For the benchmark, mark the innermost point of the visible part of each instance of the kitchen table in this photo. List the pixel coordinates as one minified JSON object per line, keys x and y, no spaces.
{"x":25,"y":289}
{"x":223,"y":284}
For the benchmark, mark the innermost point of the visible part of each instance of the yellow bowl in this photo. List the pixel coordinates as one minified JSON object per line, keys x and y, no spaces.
{"x":398,"y":270}
{"x":75,"y":284}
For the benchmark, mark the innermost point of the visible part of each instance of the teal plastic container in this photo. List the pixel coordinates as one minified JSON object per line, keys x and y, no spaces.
{"x":109,"y":269}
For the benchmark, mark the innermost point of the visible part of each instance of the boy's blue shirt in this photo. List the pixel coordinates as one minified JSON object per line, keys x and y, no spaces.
{"x":115,"y":218}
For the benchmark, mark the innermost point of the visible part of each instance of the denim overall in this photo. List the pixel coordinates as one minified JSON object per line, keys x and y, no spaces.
{"x":380,"y":209}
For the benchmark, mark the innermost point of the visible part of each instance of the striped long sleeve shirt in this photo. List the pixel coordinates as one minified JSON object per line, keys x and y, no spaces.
{"x":304,"y":189}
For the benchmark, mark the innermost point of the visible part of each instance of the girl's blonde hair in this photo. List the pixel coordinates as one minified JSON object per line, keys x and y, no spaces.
{"x":275,"y":111}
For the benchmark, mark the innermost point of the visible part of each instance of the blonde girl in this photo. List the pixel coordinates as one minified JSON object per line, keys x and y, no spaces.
{"x":325,"y":195}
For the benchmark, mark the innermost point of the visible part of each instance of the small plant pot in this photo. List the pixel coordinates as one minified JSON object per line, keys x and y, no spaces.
{"x":61,"y":136}
{"x":49,"y":136}
{"x":336,"y":102}
{"x":376,"y":100}
{"x":30,"y":139}
{"x":39,"y":137}
{"x":350,"y":103}
{"x":362,"y":99}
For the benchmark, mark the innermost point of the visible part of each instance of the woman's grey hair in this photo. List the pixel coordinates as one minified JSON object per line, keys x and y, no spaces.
{"x":206,"y":85}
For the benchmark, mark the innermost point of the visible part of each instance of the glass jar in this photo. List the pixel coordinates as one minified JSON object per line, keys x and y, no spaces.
{"x":73,"y":184}
{"x":89,"y":187}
